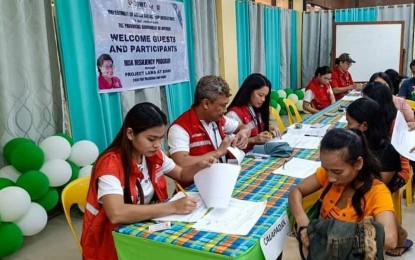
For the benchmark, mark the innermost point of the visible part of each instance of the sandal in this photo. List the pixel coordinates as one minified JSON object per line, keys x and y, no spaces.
{"x":406,"y":247}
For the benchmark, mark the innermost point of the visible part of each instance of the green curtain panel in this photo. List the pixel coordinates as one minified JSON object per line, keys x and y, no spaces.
{"x":243,"y":40}
{"x":293,"y":64}
{"x":180,"y":95}
{"x":95,"y":117}
{"x":368,"y":14}
{"x":272,"y":46}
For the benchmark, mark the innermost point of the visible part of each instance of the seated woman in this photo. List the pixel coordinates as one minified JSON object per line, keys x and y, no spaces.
{"x":318,"y":93}
{"x":399,"y":102}
{"x":365,"y":115}
{"x":356,"y":191}
{"x":251,"y":107}
{"x":396,"y":80}
{"x":341,"y":81}
{"x":128,"y":178}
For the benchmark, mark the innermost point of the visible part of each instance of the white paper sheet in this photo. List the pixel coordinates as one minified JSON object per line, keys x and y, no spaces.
{"x":342,"y":119}
{"x":216,"y":183}
{"x":237,"y":153}
{"x":317,"y":130}
{"x":403,"y":139}
{"x":237,"y":219}
{"x":298,"y":168}
{"x":272,"y":241}
{"x":298,"y":141}
{"x":197,"y":214}
{"x":352,"y":95}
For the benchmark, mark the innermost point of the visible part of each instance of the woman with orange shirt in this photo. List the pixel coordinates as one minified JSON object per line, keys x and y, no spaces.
{"x":356,"y":191}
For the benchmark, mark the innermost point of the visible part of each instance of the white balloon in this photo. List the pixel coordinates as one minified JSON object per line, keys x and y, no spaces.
{"x":282,"y":94}
{"x":83,"y":153}
{"x":278,"y":108}
{"x":293,"y":97}
{"x":9,"y":172}
{"x":55,"y":147}
{"x":14,"y":203}
{"x":33,"y":221}
{"x":85,"y":171}
{"x":299,"y":105}
{"x":58,"y":172}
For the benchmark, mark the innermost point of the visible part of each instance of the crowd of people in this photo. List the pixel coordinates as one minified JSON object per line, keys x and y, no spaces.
{"x":128,"y":181}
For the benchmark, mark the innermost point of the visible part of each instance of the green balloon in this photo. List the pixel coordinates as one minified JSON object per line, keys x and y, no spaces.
{"x":300,"y":94}
{"x":36,"y":183}
{"x":5,"y":183}
{"x":281,"y":102}
{"x":274,"y":95}
{"x":12,"y":144}
{"x":273,"y":103}
{"x":283,"y":111}
{"x":66,"y":136}
{"x":11,"y":238}
{"x":288,"y":91}
{"x":75,"y":171}
{"x":27,"y":157}
{"x":49,"y":200}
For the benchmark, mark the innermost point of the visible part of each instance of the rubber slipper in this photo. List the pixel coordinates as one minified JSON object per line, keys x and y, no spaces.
{"x":408,"y":244}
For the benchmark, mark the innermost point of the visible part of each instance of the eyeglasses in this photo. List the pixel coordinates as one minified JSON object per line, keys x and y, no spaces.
{"x":108,"y":67}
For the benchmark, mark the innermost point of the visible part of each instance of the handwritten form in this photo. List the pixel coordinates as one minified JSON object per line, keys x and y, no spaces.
{"x":298,"y":168}
{"x":403,"y":139}
{"x":237,"y":219}
{"x":306,"y":137}
{"x":197,"y":214}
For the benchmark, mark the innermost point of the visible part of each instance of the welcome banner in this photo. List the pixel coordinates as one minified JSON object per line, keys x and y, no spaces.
{"x":139,"y":43}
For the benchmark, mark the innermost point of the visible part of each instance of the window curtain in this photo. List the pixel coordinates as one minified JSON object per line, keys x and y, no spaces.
{"x":243,"y":40}
{"x":285,"y":50}
{"x":272,"y":39}
{"x":256,"y":32}
{"x":31,"y":97}
{"x":293,"y":53}
{"x":203,"y":58}
{"x":368,"y":14}
{"x":95,"y":117}
{"x":316,"y":43}
{"x":401,"y":13}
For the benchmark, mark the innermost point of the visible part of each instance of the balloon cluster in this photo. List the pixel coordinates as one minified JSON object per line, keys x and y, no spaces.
{"x":30,"y":186}
{"x":278,"y":96}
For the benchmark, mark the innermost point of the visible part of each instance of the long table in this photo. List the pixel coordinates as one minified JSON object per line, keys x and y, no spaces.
{"x":255,"y":183}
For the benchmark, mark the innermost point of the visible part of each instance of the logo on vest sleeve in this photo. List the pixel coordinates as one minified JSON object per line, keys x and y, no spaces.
{"x":200,"y":143}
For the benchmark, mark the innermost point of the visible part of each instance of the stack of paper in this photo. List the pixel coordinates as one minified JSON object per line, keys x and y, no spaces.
{"x":237,"y":219}
{"x":298,"y":168}
{"x":306,"y":137}
{"x":403,"y":139}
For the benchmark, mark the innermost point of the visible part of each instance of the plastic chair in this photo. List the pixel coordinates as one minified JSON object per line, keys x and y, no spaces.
{"x":292,"y":111}
{"x":397,"y":204}
{"x":411,"y":103}
{"x":277,"y":118}
{"x":75,"y":193}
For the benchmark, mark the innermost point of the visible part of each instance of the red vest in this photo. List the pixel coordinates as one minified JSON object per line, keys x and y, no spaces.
{"x":321,"y":94}
{"x":340,"y":79}
{"x":97,"y":241}
{"x":247,"y":119}
{"x":200,"y":141}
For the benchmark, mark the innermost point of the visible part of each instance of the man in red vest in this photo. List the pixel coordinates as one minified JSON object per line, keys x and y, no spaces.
{"x":204,"y":131}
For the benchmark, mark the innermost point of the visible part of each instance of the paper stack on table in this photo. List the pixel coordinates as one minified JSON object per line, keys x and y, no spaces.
{"x":306,"y":137}
{"x":298,"y":168}
{"x":237,"y":219}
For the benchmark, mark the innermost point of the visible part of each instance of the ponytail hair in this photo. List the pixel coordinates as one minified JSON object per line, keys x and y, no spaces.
{"x":355,"y":145}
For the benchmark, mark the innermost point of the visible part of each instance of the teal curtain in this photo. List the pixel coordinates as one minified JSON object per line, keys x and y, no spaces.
{"x":243,"y":40}
{"x":180,"y":96}
{"x":95,"y":117}
{"x":293,"y":64}
{"x":272,"y":46}
{"x":368,"y":14}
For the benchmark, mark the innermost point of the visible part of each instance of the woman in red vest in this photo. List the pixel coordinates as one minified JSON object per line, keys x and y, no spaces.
{"x":251,"y":107}
{"x":318,"y":93}
{"x":128,"y":178}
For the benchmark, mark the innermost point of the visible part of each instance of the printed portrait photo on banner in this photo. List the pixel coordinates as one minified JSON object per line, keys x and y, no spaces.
{"x":106,"y":78}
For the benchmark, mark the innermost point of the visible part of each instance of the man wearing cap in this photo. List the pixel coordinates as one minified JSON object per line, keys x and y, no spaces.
{"x":341,"y":80}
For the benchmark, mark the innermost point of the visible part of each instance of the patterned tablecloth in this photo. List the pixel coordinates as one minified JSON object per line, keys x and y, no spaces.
{"x":255,"y":183}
